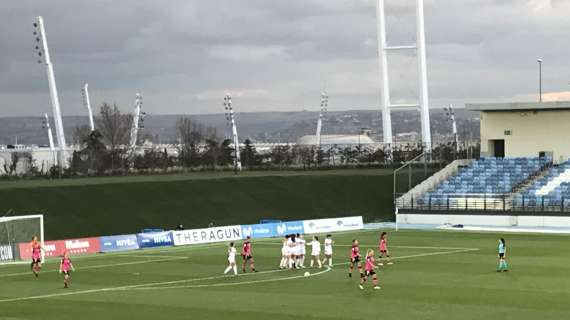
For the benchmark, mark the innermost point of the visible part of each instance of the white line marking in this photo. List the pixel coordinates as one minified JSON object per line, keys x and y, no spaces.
{"x":391,"y":246}
{"x":45,"y":296}
{"x":327,"y":269}
{"x":101,"y":266}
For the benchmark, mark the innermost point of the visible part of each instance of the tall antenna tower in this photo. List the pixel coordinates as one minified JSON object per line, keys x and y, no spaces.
{"x":87,"y":104}
{"x":423,"y":101}
{"x":42,"y":50}
{"x":230,"y":116}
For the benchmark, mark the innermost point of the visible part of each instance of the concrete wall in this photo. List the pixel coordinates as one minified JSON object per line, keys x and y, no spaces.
{"x":485,"y":220}
{"x":531,"y":132}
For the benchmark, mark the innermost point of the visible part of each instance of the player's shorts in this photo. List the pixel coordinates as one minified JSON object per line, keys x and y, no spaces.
{"x":66,"y":273}
{"x":247,"y":257}
{"x":232,"y":260}
{"x":328,"y":252}
{"x":284,"y":251}
{"x":501,"y":255}
{"x":369,"y":273}
{"x":303,"y":251}
{"x":36,"y":260}
{"x":355,"y":260}
{"x":384,"y":252}
{"x":315,"y":253}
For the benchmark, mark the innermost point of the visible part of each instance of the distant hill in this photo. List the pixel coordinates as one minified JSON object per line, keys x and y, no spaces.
{"x":259,"y":126}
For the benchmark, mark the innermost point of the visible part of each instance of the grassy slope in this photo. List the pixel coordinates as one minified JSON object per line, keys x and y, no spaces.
{"x":450,"y":286}
{"x":101,"y":206}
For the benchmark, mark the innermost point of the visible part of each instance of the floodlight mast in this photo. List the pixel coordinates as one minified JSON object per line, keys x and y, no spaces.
{"x":230,"y":116}
{"x":324,"y":106}
{"x":423,"y":100}
{"x":47,"y":126}
{"x":136,"y":120}
{"x":451,"y":117}
{"x":87,"y":104}
{"x":43,"y":53}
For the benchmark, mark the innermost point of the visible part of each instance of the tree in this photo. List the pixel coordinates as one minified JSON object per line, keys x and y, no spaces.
{"x":249,"y":154}
{"x":115,"y":129}
{"x":93,"y":158}
{"x":80,"y":135}
{"x":190,"y":134}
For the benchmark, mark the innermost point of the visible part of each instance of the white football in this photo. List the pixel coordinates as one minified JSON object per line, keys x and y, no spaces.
{"x":307,"y":274}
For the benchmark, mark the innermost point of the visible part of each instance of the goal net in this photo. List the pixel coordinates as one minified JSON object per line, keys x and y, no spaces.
{"x":18,"y":230}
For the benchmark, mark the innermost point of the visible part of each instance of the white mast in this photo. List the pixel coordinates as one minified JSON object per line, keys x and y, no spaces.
{"x":231,"y":117}
{"x":50,"y":137}
{"x":87,"y":104}
{"x":43,"y":52}
{"x":136,"y":120}
{"x":451,"y":117}
{"x":324,"y":105}
{"x":423,"y":101}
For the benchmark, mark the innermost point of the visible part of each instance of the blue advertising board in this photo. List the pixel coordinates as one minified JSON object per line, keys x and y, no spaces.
{"x":118,"y":243}
{"x":269,"y":230}
{"x":155,"y":239}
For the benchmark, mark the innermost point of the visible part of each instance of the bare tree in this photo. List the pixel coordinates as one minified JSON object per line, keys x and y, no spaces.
{"x":190,"y":134}
{"x":115,"y":130}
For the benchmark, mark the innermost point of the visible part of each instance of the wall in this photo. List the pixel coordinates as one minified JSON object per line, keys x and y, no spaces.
{"x":484,"y":220}
{"x":531,"y":132}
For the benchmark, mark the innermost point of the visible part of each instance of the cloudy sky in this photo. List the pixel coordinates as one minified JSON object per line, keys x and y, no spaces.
{"x":183,"y":55}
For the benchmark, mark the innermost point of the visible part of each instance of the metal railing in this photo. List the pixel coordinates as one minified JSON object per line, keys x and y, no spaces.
{"x":483,"y":202}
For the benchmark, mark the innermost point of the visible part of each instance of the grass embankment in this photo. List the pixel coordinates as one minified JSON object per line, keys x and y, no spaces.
{"x":118,"y":205}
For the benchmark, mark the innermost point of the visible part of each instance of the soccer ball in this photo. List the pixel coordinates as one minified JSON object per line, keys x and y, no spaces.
{"x":307,"y":274}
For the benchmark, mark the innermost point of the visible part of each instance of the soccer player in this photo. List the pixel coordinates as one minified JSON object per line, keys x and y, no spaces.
{"x":302,"y":250}
{"x":502,"y":256}
{"x":284,"y":253}
{"x":292,"y":243}
{"x":231,"y":259}
{"x":354,"y":259}
{"x":65,"y":268}
{"x":36,"y":264}
{"x":247,"y":255}
{"x":383,"y":246}
{"x":328,"y":250}
{"x":369,"y":271}
{"x":316,"y":251}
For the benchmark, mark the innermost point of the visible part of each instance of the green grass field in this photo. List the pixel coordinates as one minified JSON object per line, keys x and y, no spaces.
{"x":119,"y":205}
{"x":436,"y":275}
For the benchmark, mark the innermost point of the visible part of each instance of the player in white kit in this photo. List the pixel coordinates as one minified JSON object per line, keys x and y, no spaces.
{"x":301,"y":243}
{"x":328,"y":250}
{"x":231,"y":259}
{"x":316,"y":251}
{"x":292,"y":252}
{"x":284,"y":253}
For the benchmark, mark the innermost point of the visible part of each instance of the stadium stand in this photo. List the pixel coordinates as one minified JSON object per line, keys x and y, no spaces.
{"x":491,"y":184}
{"x":552,"y":189}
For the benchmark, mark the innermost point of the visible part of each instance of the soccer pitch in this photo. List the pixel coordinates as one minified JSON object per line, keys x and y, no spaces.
{"x":436,"y":275}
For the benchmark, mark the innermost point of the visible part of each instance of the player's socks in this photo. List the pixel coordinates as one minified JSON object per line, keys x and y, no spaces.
{"x":235,"y":270}
{"x":320,"y":265}
{"x":228,"y":269}
{"x":312,"y":262}
{"x":330,"y":262}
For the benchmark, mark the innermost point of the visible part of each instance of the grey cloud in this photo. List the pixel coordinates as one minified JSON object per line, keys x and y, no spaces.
{"x":181,"y":54}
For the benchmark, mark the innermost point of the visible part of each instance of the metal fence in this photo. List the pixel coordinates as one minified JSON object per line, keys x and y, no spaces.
{"x":482,"y":202}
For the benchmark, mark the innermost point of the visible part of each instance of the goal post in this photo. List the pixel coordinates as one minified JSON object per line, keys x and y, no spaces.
{"x":16,"y":230}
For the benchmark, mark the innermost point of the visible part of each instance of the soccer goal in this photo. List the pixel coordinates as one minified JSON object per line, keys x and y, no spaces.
{"x":17,"y":230}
